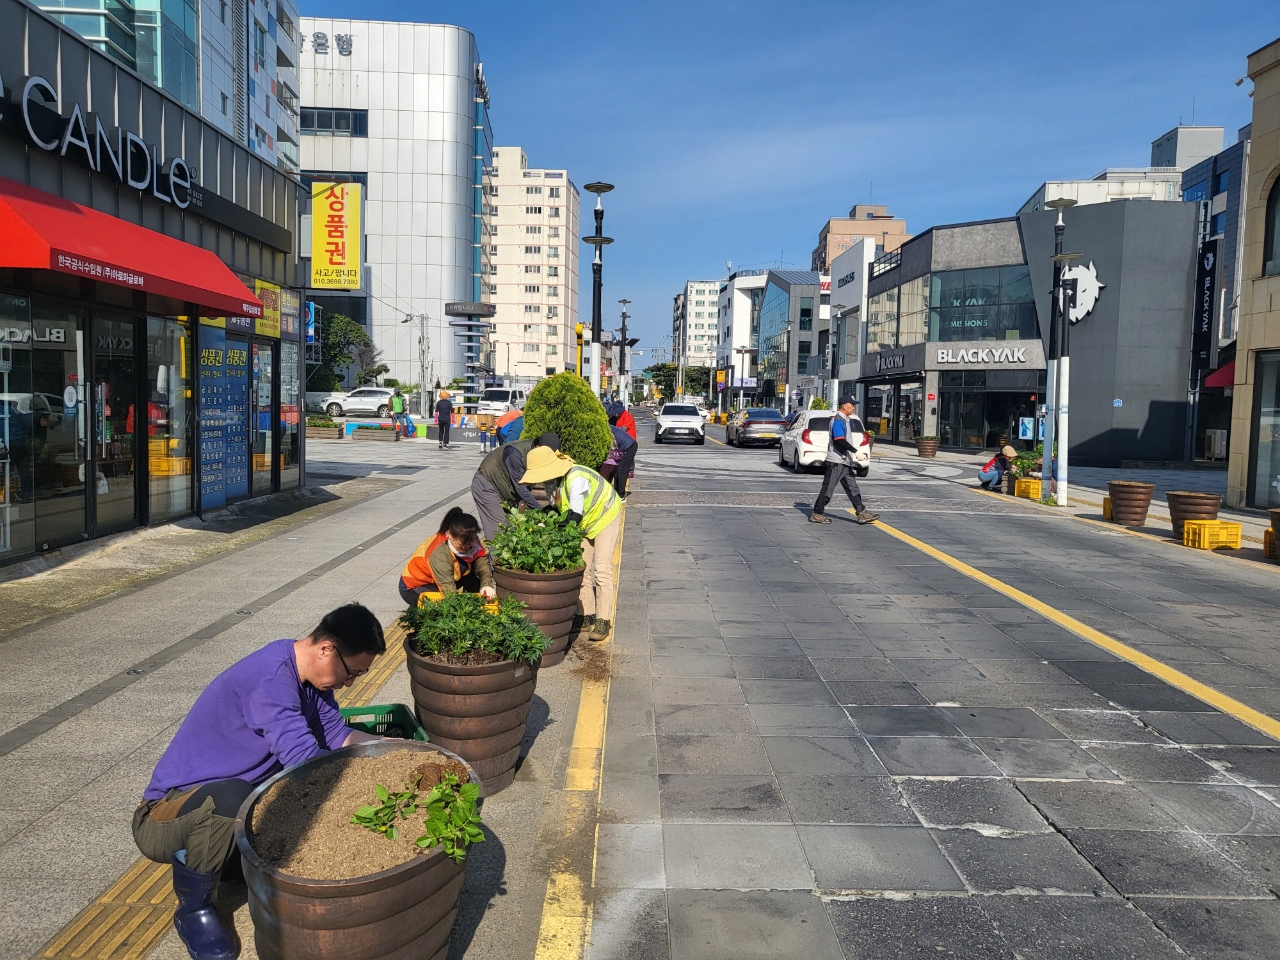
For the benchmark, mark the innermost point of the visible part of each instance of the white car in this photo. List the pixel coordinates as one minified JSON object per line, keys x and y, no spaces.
{"x":805,"y":442}
{"x":363,"y":400}
{"x":496,"y":401}
{"x":680,"y":421}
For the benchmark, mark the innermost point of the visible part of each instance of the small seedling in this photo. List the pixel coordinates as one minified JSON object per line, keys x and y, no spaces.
{"x":390,"y":808}
{"x":453,"y":822}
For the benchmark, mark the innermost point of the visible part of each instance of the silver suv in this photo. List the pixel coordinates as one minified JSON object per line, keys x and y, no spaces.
{"x":364,"y":400}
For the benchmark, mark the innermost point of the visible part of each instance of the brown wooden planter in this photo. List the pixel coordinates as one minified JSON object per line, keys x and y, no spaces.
{"x":550,"y":600}
{"x":1186,"y":505}
{"x":1275,"y":521}
{"x":477,"y":712}
{"x":407,"y":911}
{"x":383,"y":435}
{"x":1130,"y":501}
{"x":926,"y":448}
{"x":324,"y":433}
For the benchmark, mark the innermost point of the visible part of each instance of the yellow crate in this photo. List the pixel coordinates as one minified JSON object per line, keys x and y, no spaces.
{"x":1269,"y":544}
{"x":1106,"y":508}
{"x":1027,"y":488}
{"x":169,"y":466}
{"x":161,"y":446}
{"x":1212,"y":535}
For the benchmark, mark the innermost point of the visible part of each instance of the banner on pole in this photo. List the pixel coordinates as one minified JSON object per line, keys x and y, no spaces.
{"x":336,"y":254}
{"x":1205,"y":302}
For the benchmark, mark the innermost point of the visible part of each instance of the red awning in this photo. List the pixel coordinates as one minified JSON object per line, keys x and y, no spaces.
{"x":43,"y":232}
{"x":1222,"y":377}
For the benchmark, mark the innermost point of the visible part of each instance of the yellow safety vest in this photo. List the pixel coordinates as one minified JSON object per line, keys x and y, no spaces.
{"x":602,"y":504}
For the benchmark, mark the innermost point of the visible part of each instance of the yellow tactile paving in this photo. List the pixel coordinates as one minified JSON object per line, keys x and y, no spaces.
{"x":129,"y":918}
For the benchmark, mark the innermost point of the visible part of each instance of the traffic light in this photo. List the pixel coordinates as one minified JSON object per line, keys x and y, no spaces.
{"x":577,"y":329}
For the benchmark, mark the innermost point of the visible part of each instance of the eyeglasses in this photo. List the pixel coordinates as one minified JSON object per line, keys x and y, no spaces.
{"x":351,"y":674}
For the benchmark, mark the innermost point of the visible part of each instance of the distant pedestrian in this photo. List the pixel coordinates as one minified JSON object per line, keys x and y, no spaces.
{"x":453,"y":561}
{"x":995,"y":469}
{"x":444,"y":417}
{"x":497,"y":484}
{"x":839,"y":467}
{"x":619,"y":414}
{"x":398,"y":419}
{"x":586,"y":497}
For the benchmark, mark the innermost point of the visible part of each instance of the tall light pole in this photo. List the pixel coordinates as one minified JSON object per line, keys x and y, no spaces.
{"x":599,"y":241}
{"x":622,"y":357}
{"x":1058,"y":373}
{"x":424,"y":345}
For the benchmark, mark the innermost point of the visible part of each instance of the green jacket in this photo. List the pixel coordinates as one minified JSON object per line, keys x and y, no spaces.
{"x":397,"y":403}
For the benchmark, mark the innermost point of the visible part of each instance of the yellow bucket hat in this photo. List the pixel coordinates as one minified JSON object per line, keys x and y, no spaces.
{"x":545,"y":464}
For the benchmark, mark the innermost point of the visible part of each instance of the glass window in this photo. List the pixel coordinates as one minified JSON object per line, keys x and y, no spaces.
{"x":1266,"y":428}
{"x":1271,"y":239}
{"x":262,"y":432}
{"x":1196,"y":192}
{"x":169,"y":386}
{"x":290,"y":416}
{"x":1220,"y":183}
{"x":1015,"y":285}
{"x":1018,"y":322}
{"x":913,"y":318}
{"x":123,"y":425}
{"x":18,"y":430}
{"x":1218,"y":224}
{"x":982,"y":287}
{"x":946,"y":289}
{"x":882,"y":321}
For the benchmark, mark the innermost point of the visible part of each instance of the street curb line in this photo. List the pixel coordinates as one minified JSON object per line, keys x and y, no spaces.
{"x":1175,"y":678}
{"x":131,"y":916}
{"x":565,"y":925}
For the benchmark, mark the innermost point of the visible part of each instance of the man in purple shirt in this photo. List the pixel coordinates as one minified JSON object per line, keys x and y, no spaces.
{"x":273,"y":709}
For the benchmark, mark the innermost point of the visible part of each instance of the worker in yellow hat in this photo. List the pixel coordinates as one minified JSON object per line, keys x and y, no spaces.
{"x":444,"y":418}
{"x":589,"y":499}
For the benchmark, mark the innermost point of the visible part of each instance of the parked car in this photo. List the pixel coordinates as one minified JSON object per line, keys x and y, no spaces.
{"x":755,"y":425}
{"x":806,"y":441}
{"x":363,"y":400}
{"x":496,"y":401}
{"x":680,"y":421}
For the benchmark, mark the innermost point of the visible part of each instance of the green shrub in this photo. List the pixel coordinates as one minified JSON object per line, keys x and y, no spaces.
{"x":536,"y":542}
{"x":320,"y":422}
{"x":459,"y":624}
{"x":817,"y":403}
{"x":565,"y":405}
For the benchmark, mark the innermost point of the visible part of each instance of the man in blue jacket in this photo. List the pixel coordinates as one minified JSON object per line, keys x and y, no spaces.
{"x":273,"y":709}
{"x":839,"y":467}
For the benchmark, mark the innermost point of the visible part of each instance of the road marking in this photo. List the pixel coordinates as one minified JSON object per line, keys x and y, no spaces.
{"x":1175,"y":678}
{"x":130,"y":917}
{"x":565,"y":926}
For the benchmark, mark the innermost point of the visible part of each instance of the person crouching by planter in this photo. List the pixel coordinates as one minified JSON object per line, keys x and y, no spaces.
{"x":994,"y":470}
{"x":452,"y":561}
{"x":497,"y":485}
{"x":621,"y":462}
{"x":587,"y":498}
{"x":271,"y":710}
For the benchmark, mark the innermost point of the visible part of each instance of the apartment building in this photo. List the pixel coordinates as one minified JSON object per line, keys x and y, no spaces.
{"x":233,"y":61}
{"x":532,"y":266}
{"x":865,"y":220}
{"x":695,"y":323}
{"x":739,"y":333}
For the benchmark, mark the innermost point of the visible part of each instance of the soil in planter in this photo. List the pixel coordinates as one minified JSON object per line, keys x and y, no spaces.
{"x":303,"y":827}
{"x":472,"y":658}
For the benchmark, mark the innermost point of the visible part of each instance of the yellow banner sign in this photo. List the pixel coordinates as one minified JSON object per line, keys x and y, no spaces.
{"x":335,"y":236}
{"x":268,"y":325}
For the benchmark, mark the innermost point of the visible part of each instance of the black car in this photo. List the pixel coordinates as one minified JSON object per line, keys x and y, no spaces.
{"x":758,"y":425}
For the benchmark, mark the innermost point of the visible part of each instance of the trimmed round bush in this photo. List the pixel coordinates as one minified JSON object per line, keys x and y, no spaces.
{"x":565,"y":405}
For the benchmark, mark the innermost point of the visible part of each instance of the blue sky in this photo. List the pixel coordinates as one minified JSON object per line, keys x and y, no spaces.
{"x":733,"y":130}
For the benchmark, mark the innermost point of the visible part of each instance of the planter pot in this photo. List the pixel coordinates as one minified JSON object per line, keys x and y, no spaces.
{"x":1130,"y":501}
{"x":1185,"y":505}
{"x":386,"y":436}
{"x":926,"y":448}
{"x":407,"y":911}
{"x":324,"y":433}
{"x":1275,"y":521}
{"x":477,"y":712}
{"x":550,"y":600}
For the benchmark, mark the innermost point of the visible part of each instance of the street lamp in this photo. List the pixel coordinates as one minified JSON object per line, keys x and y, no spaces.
{"x":597,"y":240}
{"x":622,"y":358}
{"x":424,"y":344}
{"x":1058,"y":373}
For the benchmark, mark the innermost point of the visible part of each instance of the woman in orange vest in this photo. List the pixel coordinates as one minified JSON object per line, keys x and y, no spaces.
{"x":453,"y":560}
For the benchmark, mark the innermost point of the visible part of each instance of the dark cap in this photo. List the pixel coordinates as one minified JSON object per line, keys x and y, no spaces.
{"x":551,"y":440}
{"x":846,"y":399}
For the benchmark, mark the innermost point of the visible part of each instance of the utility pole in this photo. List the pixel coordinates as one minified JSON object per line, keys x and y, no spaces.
{"x":623,"y":385}
{"x":599,"y":241}
{"x":1059,"y":364}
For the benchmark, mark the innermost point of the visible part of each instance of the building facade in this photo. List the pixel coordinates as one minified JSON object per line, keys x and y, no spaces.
{"x":865,"y":220}
{"x":849,"y":275}
{"x":150,"y":360}
{"x":533,"y":266}
{"x":402,"y":109}
{"x":1253,"y":469}
{"x":790,"y":325}
{"x":694,"y":323}
{"x":738,"y":344}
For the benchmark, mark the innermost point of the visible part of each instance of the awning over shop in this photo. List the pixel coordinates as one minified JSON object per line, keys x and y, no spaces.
{"x":1222,"y":377}
{"x":42,"y":232}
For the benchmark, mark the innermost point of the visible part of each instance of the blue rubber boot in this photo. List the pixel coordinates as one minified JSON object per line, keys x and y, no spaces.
{"x":199,"y":927}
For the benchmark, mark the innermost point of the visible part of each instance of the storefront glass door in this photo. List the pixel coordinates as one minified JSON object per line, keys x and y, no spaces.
{"x":910,"y":412}
{"x":1266,"y":432}
{"x":17,"y":429}
{"x":122,"y":424}
{"x":261,"y":422}
{"x":59,"y":425}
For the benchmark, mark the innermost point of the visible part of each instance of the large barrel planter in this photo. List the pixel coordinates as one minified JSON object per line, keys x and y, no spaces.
{"x":1186,"y":505}
{"x":477,"y":712}
{"x":407,"y":911}
{"x":1130,"y":501}
{"x":550,"y":599}
{"x":926,"y":447}
{"x":1275,"y":521}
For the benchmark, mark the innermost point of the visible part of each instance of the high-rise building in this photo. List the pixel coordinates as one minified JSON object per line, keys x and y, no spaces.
{"x":865,"y":220}
{"x":402,"y":109}
{"x":695,"y":323}
{"x":234,"y":61}
{"x":532,"y":276}
{"x":739,"y":333}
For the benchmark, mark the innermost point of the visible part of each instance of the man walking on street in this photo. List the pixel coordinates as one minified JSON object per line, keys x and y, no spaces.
{"x":397,"y":413}
{"x":444,"y":417}
{"x":840,"y":466}
{"x":497,"y":485}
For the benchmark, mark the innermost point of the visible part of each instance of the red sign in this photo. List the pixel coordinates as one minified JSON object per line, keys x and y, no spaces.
{"x":932,"y":397}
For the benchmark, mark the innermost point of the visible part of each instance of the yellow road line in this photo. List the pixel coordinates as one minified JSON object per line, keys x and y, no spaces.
{"x":1175,"y":678}
{"x":566,"y":909}
{"x":127,"y":920}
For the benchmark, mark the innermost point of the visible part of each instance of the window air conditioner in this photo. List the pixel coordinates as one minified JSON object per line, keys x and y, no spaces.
{"x":1215,"y":444}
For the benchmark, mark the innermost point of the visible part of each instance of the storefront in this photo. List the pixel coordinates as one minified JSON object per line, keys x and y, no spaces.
{"x":149,"y":341}
{"x":1264,"y":459}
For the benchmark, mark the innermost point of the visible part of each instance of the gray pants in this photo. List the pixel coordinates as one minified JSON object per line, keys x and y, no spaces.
{"x":488,"y":505}
{"x":837,"y":474}
{"x":200,"y":821}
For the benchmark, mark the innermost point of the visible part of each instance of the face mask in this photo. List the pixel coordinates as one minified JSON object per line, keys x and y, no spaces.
{"x":468,"y":555}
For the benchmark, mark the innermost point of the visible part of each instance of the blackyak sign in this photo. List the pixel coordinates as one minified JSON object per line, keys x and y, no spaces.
{"x":1205,"y":301}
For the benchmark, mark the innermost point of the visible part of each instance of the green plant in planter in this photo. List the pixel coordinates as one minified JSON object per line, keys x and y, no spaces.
{"x":391,"y":808}
{"x":565,"y":405}
{"x":452,"y":820}
{"x":818,"y":403}
{"x":372,"y":426}
{"x":926,"y":438}
{"x":462,"y":623}
{"x":535,"y":541}
{"x":320,"y":422}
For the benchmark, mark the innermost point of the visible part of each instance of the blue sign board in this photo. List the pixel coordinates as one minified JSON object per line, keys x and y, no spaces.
{"x":1026,"y":428}
{"x":213,"y":416}
{"x":236,"y":422}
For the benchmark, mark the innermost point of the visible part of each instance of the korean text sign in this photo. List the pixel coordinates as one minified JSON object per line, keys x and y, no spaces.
{"x":335,"y":236}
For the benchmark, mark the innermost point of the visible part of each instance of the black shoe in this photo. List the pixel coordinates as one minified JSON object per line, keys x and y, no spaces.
{"x":199,"y":927}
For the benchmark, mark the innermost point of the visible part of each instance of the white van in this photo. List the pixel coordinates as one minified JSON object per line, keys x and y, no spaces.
{"x":498,"y":400}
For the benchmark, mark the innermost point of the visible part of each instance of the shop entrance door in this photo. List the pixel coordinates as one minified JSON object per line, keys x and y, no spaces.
{"x":262,"y":424}
{"x":126,"y":428}
{"x":59,"y":425}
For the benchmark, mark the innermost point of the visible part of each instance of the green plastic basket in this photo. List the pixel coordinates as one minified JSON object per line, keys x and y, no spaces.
{"x":385,"y":720}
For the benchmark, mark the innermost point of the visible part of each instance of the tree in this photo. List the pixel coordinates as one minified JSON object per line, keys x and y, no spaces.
{"x":340,"y":338}
{"x":663,"y":376}
{"x":564,"y":405}
{"x":817,"y":403}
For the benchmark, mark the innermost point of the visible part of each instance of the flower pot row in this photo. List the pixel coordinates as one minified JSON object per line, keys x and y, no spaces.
{"x":1131,"y":499}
